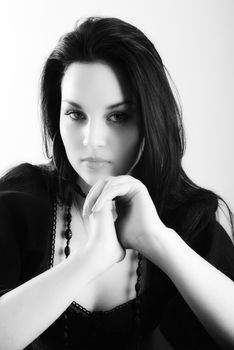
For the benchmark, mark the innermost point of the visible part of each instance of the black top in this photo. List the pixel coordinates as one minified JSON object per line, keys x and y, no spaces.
{"x":26,"y":226}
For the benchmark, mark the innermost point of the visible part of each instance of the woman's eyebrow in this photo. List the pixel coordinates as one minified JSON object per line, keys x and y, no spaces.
{"x":125,"y":102}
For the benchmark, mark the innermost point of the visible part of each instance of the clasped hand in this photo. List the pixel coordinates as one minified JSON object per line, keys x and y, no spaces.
{"x":133,"y":211}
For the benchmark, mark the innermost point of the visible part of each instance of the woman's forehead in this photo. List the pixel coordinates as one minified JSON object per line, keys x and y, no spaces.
{"x":97,"y":80}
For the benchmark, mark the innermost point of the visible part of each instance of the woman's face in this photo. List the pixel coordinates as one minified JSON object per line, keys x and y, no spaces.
{"x":98,"y":119}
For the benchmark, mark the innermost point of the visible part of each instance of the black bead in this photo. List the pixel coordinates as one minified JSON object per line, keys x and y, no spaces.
{"x":140,"y":256}
{"x":68,"y":234}
{"x":139,"y":270}
{"x":137,"y":287}
{"x":67,"y":250}
{"x":68,"y":217}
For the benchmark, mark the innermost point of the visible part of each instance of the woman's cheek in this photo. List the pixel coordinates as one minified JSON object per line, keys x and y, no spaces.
{"x":69,"y":135}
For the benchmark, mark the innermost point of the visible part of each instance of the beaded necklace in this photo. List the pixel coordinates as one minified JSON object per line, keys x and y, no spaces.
{"x":67,"y":251}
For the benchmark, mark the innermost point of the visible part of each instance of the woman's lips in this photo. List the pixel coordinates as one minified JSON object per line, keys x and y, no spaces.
{"x":95,"y":164}
{"x":95,"y":159}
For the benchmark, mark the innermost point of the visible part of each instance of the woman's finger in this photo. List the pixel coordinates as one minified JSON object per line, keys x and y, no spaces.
{"x":108,"y":189}
{"x":112,"y":191}
{"x":92,"y":196}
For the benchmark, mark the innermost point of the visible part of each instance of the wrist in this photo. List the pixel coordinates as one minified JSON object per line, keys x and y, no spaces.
{"x":157,"y":245}
{"x":90,"y":261}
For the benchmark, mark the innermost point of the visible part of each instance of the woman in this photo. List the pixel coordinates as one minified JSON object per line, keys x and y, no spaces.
{"x":111,"y":238}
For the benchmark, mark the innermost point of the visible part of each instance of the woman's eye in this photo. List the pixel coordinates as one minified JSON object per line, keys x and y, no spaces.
{"x":119,"y":117}
{"x":115,"y":117}
{"x":74,"y":115}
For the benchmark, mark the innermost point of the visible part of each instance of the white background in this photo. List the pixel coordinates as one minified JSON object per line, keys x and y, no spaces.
{"x":195,"y":41}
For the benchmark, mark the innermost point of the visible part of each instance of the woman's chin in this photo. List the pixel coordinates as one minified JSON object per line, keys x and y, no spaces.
{"x":87,"y":181}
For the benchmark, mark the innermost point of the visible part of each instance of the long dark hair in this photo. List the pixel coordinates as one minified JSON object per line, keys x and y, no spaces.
{"x":125,"y":47}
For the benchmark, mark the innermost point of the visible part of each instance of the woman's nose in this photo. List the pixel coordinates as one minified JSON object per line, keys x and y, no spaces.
{"x":94,"y":134}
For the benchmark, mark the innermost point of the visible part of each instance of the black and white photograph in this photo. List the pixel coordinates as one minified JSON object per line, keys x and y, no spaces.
{"x":117,"y":175}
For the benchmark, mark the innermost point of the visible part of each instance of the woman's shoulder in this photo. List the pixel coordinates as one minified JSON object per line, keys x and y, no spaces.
{"x":195,"y":216}
{"x":27,"y":178}
{"x":191,"y":210}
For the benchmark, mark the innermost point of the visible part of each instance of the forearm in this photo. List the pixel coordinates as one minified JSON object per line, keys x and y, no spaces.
{"x":207,"y":291}
{"x":26,"y":311}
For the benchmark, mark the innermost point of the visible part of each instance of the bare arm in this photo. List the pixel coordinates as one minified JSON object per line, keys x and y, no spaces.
{"x":35,"y":305}
{"x":29,"y":309}
{"x":207,"y":291}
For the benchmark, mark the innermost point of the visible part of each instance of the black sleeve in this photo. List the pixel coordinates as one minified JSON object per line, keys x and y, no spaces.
{"x":179,"y":324}
{"x":10,"y":261}
{"x":25,"y":218}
